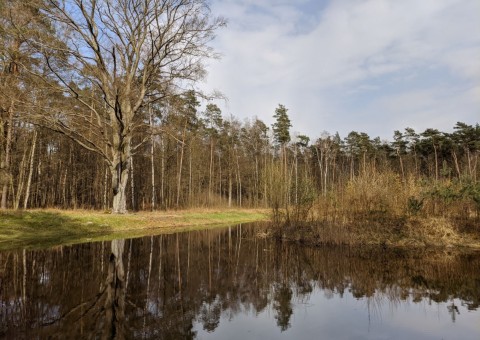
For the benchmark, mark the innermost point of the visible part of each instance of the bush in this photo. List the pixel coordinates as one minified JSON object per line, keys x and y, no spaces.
{"x":414,"y":205}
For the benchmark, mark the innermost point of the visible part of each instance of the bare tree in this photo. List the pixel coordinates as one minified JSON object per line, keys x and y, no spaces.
{"x":115,"y":58}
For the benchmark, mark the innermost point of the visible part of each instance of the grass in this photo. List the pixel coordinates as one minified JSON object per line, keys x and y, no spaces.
{"x":386,"y":231}
{"x":46,"y":228}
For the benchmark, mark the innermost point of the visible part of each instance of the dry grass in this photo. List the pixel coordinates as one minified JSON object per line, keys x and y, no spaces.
{"x":438,"y":231}
{"x":413,"y":232}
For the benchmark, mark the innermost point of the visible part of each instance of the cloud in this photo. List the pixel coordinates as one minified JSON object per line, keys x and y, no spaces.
{"x":333,"y":63}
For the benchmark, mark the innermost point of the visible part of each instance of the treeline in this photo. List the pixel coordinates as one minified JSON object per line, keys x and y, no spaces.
{"x":98,"y":111}
{"x":198,"y":158}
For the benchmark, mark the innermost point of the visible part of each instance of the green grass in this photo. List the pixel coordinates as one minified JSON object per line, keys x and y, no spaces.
{"x":46,"y":228}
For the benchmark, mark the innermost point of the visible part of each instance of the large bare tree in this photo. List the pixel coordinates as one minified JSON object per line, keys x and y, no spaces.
{"x":114,"y":58}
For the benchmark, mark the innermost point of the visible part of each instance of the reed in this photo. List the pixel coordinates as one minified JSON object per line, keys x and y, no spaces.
{"x":381,"y":208}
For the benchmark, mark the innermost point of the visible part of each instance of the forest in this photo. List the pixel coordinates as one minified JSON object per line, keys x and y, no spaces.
{"x":99,"y":109}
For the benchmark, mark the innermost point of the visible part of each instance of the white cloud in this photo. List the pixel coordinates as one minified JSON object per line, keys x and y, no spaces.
{"x":330,"y":67}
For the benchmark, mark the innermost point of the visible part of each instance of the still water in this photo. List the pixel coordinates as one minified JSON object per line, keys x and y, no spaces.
{"x":229,"y":284}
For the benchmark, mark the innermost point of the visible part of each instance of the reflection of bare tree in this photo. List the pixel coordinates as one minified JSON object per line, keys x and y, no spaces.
{"x":115,"y":290}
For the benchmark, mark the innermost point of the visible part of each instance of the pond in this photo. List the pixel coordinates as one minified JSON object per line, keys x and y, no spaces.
{"x":229,"y":284}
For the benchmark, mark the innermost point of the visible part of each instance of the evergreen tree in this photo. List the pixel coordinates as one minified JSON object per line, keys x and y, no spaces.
{"x":281,"y":128}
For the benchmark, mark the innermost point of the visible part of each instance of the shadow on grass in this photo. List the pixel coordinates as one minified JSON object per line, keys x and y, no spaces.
{"x":45,"y":229}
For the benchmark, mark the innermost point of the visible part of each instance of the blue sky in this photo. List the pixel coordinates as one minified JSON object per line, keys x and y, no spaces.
{"x":372,"y":66}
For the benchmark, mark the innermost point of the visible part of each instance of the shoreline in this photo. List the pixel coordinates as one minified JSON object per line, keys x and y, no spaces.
{"x":54,"y":227}
{"x":33,"y":229}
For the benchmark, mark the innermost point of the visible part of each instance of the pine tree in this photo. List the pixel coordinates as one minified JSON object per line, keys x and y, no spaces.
{"x":281,"y":128}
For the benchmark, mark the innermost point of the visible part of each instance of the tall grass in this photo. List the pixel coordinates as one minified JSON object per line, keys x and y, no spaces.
{"x":382,"y":208}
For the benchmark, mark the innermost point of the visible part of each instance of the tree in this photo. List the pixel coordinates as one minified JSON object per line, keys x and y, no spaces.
{"x":281,"y":134}
{"x":434,"y":138}
{"x":213,"y":122}
{"x":400,"y":146}
{"x":412,"y":139}
{"x":115,"y":58}
{"x":19,"y":21}
{"x":282,"y":125}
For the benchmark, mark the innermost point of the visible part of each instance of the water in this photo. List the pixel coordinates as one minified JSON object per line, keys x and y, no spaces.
{"x":228,"y":284}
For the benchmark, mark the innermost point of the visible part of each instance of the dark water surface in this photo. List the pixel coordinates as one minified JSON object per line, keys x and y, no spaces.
{"x":227,"y":284}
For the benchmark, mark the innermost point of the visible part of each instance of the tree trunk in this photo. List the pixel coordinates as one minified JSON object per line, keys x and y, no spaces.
{"x":325,"y":175}
{"x":230,"y":188}
{"x":132,"y":183}
{"x":105,"y":189}
{"x":210,"y":173}
{"x":5,"y":164}
{"x":18,"y":194}
{"x":152,"y":161}
{"x":119,"y":171}
{"x":296,"y":174}
{"x":30,"y":170}
{"x":162,"y":171}
{"x":239,"y":193}
{"x":401,"y":165}
{"x":455,"y":161}
{"x":190,"y":178}
{"x":179,"y":178}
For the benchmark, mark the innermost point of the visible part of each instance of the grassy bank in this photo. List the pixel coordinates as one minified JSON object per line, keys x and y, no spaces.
{"x":403,"y":232}
{"x":44,"y":228}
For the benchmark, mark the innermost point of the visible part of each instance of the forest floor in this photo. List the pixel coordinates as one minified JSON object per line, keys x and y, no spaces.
{"x":50,"y":227}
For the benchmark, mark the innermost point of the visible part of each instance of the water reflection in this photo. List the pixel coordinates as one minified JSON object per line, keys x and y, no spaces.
{"x":228,"y":284}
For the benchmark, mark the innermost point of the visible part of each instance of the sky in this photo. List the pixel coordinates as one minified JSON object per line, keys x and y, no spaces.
{"x":371,"y":66}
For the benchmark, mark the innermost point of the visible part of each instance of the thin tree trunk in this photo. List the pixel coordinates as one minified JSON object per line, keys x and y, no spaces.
{"x":239,"y":193}
{"x":230,"y":188}
{"x":18,"y":194}
{"x":320,"y":166}
{"x":401,"y":165}
{"x":296,"y":175}
{"x":455,"y":161}
{"x":162,"y":171}
{"x":105,"y":189}
{"x":325,"y":176}
{"x":257,"y":182}
{"x":64,"y":189}
{"x":179,"y":178}
{"x":190,"y":179}
{"x":30,"y":170}
{"x":265,"y":182}
{"x":132,"y":183}
{"x":469,"y":163}
{"x":5,"y":163}
{"x":152,"y":163}
{"x":220,"y":178}
{"x":210,"y":172}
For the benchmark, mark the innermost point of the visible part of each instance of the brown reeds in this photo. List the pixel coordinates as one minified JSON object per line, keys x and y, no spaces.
{"x":381,"y":208}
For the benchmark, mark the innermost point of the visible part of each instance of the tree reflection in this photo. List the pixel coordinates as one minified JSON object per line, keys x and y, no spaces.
{"x":172,"y":284}
{"x":283,"y":306}
{"x":115,"y":294}
{"x":209,"y":315}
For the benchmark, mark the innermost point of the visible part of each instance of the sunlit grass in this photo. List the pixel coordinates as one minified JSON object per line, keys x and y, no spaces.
{"x":43,"y":228}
